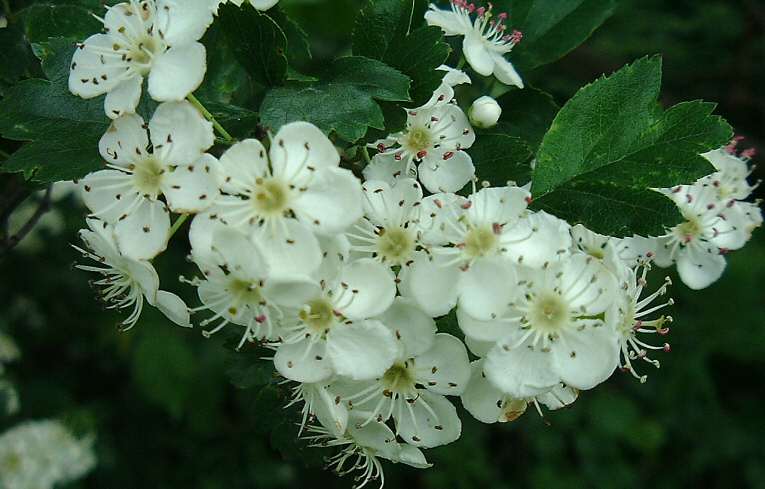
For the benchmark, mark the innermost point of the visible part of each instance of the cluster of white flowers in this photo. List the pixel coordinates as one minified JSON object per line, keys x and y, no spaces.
{"x":43,"y":454}
{"x":344,"y":278}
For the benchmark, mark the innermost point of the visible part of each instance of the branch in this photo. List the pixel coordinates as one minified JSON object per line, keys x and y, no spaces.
{"x":11,"y":242}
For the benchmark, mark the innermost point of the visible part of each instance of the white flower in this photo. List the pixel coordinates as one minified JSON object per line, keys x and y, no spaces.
{"x":552,"y":332}
{"x":628,"y":316}
{"x":486,"y":41}
{"x":432,"y":146}
{"x":154,"y":39}
{"x":490,"y":405}
{"x":43,"y":454}
{"x":412,"y":390}
{"x":710,"y":230}
{"x":730,"y":179}
{"x":284,"y":196}
{"x":618,"y":255}
{"x":332,"y":330}
{"x":444,"y":94}
{"x":240,"y":288}
{"x":320,"y":403}
{"x":484,"y":112}
{"x":174,"y":165}
{"x":474,"y":242}
{"x":126,"y":282}
{"x":389,"y":232}
{"x":362,"y":446}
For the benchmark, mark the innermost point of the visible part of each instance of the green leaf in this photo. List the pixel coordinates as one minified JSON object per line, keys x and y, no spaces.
{"x":374,"y":77}
{"x":247,"y":369}
{"x":611,"y":143}
{"x":333,"y":107}
{"x":257,"y":42}
{"x":499,"y":158}
{"x":68,"y":21}
{"x":63,"y":130}
{"x":16,"y":58}
{"x":226,"y":80}
{"x":238,"y":121}
{"x":384,"y":31}
{"x":552,"y":28}
{"x":527,"y":114}
{"x":298,"y":45}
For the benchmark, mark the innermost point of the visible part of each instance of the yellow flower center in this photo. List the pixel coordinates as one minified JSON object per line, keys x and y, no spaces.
{"x":395,"y":245}
{"x":418,"y":139}
{"x":399,"y":378}
{"x":319,"y":315}
{"x":480,"y":241}
{"x":147,"y":176}
{"x":271,"y":196}
{"x":549,"y":313}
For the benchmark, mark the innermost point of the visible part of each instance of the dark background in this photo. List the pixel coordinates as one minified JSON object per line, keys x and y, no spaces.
{"x":166,"y":416}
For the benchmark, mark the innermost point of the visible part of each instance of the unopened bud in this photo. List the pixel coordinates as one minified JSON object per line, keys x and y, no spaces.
{"x":485,"y":112}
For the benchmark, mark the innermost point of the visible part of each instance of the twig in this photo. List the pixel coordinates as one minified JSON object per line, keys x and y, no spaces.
{"x":210,"y":117}
{"x":30,"y":224}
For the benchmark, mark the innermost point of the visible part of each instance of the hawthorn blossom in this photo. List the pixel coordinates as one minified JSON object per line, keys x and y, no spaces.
{"x":486,"y":40}
{"x":444,"y":94}
{"x":628,"y":315}
{"x":157,"y":39}
{"x":430,"y":146}
{"x":730,"y":179}
{"x":284,"y":197}
{"x":484,"y":112}
{"x":490,"y":405}
{"x":126,"y":282}
{"x":552,"y":332}
{"x":710,"y":230}
{"x":334,"y":331}
{"x":319,"y":402}
{"x":174,"y":165}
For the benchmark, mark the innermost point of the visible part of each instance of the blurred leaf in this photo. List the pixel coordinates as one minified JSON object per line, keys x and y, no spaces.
{"x":527,"y":114}
{"x":499,"y":158}
{"x":15,"y":55}
{"x":52,"y":21}
{"x":247,"y":369}
{"x":611,"y":144}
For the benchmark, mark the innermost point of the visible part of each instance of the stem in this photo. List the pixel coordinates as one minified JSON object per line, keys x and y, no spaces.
{"x":27,"y":227}
{"x":191,"y":98}
{"x":461,"y":62}
{"x":365,"y":154}
{"x":177,"y":224}
{"x":4,"y":155}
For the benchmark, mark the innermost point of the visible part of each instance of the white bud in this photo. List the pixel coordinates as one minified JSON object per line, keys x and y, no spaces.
{"x":485,"y":112}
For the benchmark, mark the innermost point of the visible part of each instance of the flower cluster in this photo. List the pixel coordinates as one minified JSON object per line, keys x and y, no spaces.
{"x":43,"y":454}
{"x":343,"y":278}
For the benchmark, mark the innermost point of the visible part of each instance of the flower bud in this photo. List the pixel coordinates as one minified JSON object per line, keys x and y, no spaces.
{"x":484,"y":112}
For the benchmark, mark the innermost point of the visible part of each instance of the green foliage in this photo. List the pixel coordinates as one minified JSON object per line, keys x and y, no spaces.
{"x":377,"y":79}
{"x":62,"y":130}
{"x":527,"y":114}
{"x":45,"y":21}
{"x":611,"y":144}
{"x":499,"y":158}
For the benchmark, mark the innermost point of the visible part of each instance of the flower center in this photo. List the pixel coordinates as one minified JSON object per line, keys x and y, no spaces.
{"x":143,"y":53}
{"x":480,"y":242}
{"x":243,"y":292}
{"x":549,"y":313}
{"x":418,"y":139}
{"x":319,"y":315}
{"x":689,"y":230}
{"x":271,"y":196}
{"x":513,"y":409}
{"x":395,"y":245}
{"x":399,"y":378}
{"x":147,"y":176}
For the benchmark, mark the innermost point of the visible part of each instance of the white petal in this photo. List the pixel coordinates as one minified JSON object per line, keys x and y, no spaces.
{"x":386,"y":168}
{"x":413,"y":457}
{"x":487,"y":287}
{"x":179,"y":133}
{"x":263,"y":4}
{"x":586,"y":357}
{"x":298,"y":147}
{"x":481,"y":398}
{"x":454,"y":77}
{"x":201,"y":232}
{"x":411,"y":326}
{"x":123,"y":98}
{"x":91,"y":74}
{"x":240,"y":256}
{"x":447,"y":20}
{"x":373,"y":435}
{"x":430,"y":421}
{"x":538,"y":240}
{"x":289,"y":249}
{"x":498,"y":205}
{"x":391,"y":205}
{"x":699,"y":268}
{"x":520,"y":372}
{"x":477,"y":55}
{"x":192,"y":188}
{"x":174,"y":308}
{"x":365,"y":289}
{"x":505,"y":71}
{"x":242,"y":164}
{"x":559,"y":397}
{"x":336,"y":252}
{"x":146,"y":276}
{"x":451,"y":128}
{"x":586,"y":285}
{"x":184,"y":20}
{"x":361,"y":350}
{"x":292,"y":292}
{"x":143,"y":234}
{"x":303,"y":361}
{"x":124,"y":141}
{"x":432,"y":284}
{"x":479,"y":348}
{"x":332,"y":201}
{"x":332,"y":415}
{"x":445,"y":367}
{"x":492,"y":330}
{"x":439,"y":175}
{"x":109,"y":194}
{"x":437,"y":211}
{"x":177,"y":72}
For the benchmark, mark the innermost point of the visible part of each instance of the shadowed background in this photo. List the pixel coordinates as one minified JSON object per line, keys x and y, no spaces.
{"x":166,"y":416}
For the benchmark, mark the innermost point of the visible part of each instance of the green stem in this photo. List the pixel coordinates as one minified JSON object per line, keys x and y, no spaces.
{"x":461,"y":62}
{"x":177,"y":224}
{"x":210,"y":118}
{"x":4,"y":155}
{"x":365,"y":154}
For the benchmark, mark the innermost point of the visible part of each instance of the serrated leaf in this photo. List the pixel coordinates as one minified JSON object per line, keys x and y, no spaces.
{"x":527,"y":114}
{"x":257,"y":42}
{"x":16,"y":58}
{"x":334,"y":107}
{"x":612,"y":136}
{"x":298,"y":45}
{"x":499,"y":158}
{"x":553,"y":28}
{"x":238,"y":121}
{"x":62,"y":130}
{"x":384,"y":31}
{"x":51,"y":21}
{"x":376,"y":78}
